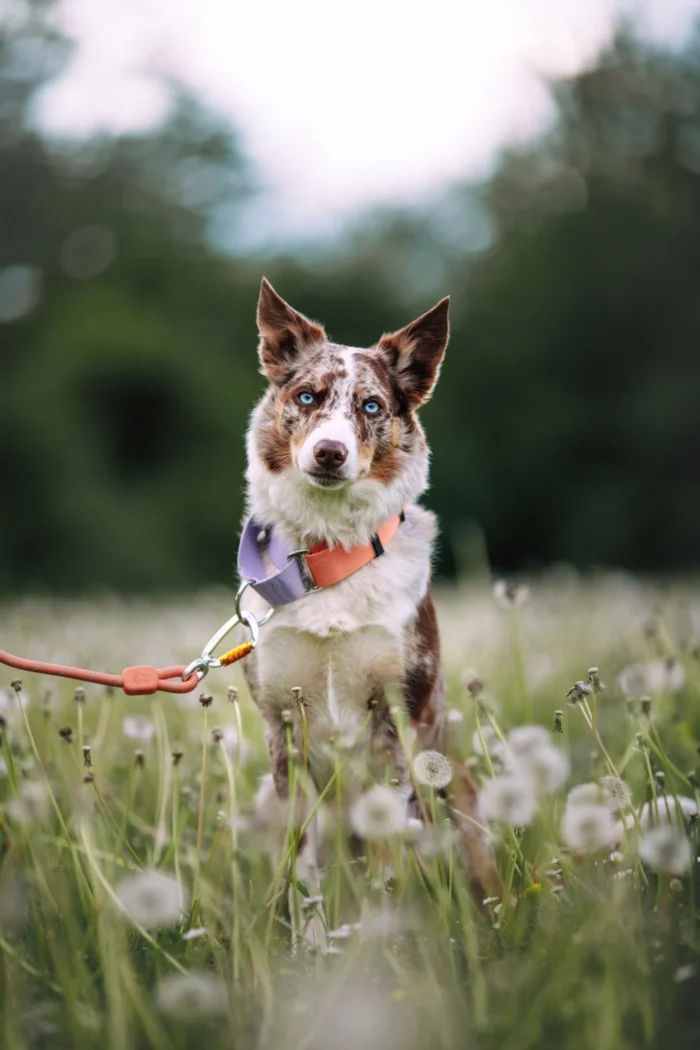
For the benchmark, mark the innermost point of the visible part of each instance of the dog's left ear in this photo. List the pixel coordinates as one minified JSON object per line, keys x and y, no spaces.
{"x":283,"y":334}
{"x":415,"y":352}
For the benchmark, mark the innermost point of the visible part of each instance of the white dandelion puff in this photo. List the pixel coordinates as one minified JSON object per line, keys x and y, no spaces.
{"x":509,"y":594}
{"x":138,"y":727}
{"x":152,"y":899}
{"x":588,"y":827}
{"x":191,"y":996}
{"x":432,"y":769}
{"x":657,"y":676}
{"x":547,"y":769}
{"x":492,"y":743}
{"x":454,"y":716}
{"x":527,"y":740}
{"x":30,"y":804}
{"x":617,"y":793}
{"x":586,"y":794}
{"x":379,"y":813}
{"x":509,"y":799}
{"x":532,"y":755}
{"x":235,"y":745}
{"x":666,"y":849}
{"x":668,"y":809}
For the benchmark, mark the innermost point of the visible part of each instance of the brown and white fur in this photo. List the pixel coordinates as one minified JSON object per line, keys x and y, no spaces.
{"x":345,"y":644}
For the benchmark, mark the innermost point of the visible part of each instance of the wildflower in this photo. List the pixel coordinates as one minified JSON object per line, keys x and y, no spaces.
{"x":675,"y":886}
{"x":587,"y":827}
{"x":206,"y":700}
{"x":510,"y":594}
{"x":432,"y":769}
{"x":138,"y":757}
{"x":558,"y":727}
{"x":87,"y":756}
{"x":454,"y":716}
{"x":88,"y":778}
{"x":286,"y":716}
{"x":344,"y":931}
{"x":579,"y":691}
{"x":30,"y":804}
{"x":645,"y":703}
{"x":217,"y":736}
{"x":618,"y":795}
{"x":177,"y":756}
{"x":16,"y":685}
{"x":191,"y":996}
{"x":378,"y":813}
{"x":138,"y":727}
{"x":79,"y":695}
{"x":232,"y":694}
{"x":194,"y":934}
{"x":66,"y":734}
{"x":594,"y":680}
{"x":509,"y":799}
{"x":684,"y":973}
{"x":151,"y":899}
{"x":668,"y":809}
{"x":666,"y":849}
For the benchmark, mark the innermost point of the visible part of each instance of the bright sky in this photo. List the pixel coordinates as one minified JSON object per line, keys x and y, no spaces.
{"x":342,"y":104}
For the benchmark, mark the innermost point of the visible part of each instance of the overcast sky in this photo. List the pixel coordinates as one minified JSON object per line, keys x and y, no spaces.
{"x":342,"y":104}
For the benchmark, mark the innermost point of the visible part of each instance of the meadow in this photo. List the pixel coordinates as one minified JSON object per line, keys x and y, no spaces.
{"x":144,"y":899}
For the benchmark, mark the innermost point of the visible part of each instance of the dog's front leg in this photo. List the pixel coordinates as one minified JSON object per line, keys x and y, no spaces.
{"x":305,"y":908}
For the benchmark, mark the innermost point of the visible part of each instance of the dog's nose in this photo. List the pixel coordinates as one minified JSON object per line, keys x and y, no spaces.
{"x":330,"y":454}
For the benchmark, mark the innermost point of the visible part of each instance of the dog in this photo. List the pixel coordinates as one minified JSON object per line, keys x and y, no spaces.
{"x":337,"y":460}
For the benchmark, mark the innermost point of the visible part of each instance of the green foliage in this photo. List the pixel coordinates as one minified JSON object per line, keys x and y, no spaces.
{"x":564,"y":426}
{"x":588,"y":948}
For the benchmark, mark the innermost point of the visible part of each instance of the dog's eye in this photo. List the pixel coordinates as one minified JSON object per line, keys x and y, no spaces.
{"x":306,"y":397}
{"x":372,"y":407}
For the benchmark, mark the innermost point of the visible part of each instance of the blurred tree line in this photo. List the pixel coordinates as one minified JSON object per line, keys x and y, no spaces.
{"x":565,"y":426}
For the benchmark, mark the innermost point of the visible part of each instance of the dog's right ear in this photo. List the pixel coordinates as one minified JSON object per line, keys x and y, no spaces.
{"x":284,"y":334}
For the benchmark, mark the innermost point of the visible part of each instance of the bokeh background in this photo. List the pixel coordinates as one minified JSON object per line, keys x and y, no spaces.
{"x":539,"y":161}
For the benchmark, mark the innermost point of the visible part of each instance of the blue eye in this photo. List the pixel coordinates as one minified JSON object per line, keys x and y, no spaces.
{"x":306,"y":397}
{"x":372,"y":407}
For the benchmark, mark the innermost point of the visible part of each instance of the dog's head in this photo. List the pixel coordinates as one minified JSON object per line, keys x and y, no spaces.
{"x":337,"y":431}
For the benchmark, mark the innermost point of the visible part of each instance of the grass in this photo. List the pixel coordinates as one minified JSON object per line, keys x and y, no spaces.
{"x":589,"y":945}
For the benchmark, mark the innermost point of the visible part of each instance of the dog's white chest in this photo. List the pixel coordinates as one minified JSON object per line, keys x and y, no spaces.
{"x":344,"y":642}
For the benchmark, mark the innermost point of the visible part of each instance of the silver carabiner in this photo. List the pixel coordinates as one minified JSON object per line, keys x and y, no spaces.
{"x":245,"y":584}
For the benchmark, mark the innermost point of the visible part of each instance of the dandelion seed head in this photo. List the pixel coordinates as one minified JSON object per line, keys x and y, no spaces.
{"x":432,"y":769}
{"x":508,"y":593}
{"x":191,"y":996}
{"x":665,"y":810}
{"x":525,"y":741}
{"x":454,"y":716}
{"x":547,"y":769}
{"x":378,"y":813}
{"x":138,"y":727}
{"x":588,"y":827}
{"x":617,"y":792}
{"x":666,"y":849}
{"x":656,"y":676}
{"x":492,"y":743}
{"x":509,"y":799}
{"x":30,"y":804}
{"x":152,"y":899}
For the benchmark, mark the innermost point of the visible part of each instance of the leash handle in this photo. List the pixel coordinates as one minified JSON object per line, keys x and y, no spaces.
{"x":135,"y":681}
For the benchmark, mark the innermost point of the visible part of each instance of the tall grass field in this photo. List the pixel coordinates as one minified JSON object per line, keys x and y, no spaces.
{"x":148,"y":900}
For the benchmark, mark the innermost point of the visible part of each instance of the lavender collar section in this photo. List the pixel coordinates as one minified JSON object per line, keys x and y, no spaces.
{"x":281,"y":587}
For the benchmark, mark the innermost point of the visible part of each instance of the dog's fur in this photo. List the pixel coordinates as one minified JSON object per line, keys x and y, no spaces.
{"x":345,"y":644}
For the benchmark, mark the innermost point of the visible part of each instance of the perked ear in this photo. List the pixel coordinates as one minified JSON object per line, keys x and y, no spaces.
{"x":415,"y":352}
{"x":284,"y":334}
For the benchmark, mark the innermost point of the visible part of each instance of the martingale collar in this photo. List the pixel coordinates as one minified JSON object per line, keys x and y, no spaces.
{"x":324,"y":565}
